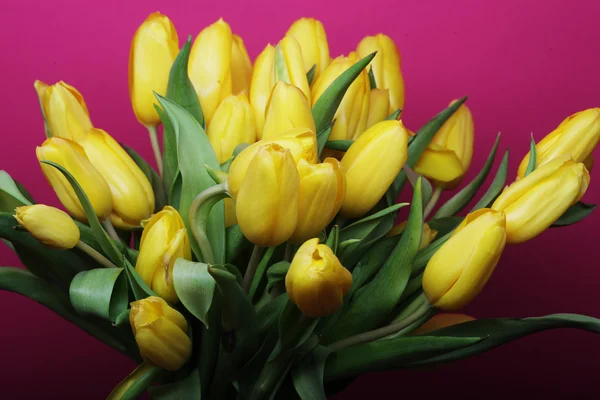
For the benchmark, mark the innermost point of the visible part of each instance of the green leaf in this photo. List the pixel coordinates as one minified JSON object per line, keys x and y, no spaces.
{"x":419,"y":144}
{"x":333,"y":238}
{"x":195,"y":287}
{"x":339,"y":145}
{"x":268,"y":314}
{"x":327,"y":105}
{"x":87,"y":236}
{"x":310,"y":75}
{"x":10,"y":195}
{"x":100,"y":292}
{"x":575,"y":213}
{"x":139,"y":288}
{"x":323,"y":136}
{"x":496,"y":187}
{"x":462,"y":198}
{"x":425,"y":254}
{"x":102,"y":237}
{"x":237,"y":311}
{"x":444,"y":225}
{"x":24,"y":192}
{"x":294,"y":328}
{"x":260,"y":270}
{"x":413,"y":177}
{"x":194,"y":151}
{"x":276,"y":273}
{"x":157,"y":184}
{"x":136,"y":383}
{"x":171,"y":175}
{"x":394,"y":116}
{"x":236,"y":242}
{"x":361,"y":228}
{"x":372,"y":82}
{"x":532,"y":157}
{"x":185,"y":389}
{"x":308,"y":375}
{"x":372,"y":262}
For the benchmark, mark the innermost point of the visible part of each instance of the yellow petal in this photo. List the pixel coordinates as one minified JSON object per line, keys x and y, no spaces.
{"x":312,"y":39}
{"x":49,"y":225}
{"x":241,"y":67}
{"x":164,"y":344}
{"x":440,"y":165}
{"x":287,"y":109}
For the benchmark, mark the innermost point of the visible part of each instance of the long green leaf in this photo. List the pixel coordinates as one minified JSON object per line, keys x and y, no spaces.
{"x":496,"y":187}
{"x":237,"y":311}
{"x":361,"y":228}
{"x":308,"y":376}
{"x":310,"y":75}
{"x":139,"y":288}
{"x":136,"y":383}
{"x":10,"y":195}
{"x":413,"y":177}
{"x":339,"y":145}
{"x":394,"y":116}
{"x":532,"y":157}
{"x":195,"y":287}
{"x":575,"y":213}
{"x":185,"y":389}
{"x":425,"y":254}
{"x":157,"y":185}
{"x":323,"y":136}
{"x":171,"y":175}
{"x":294,"y":328}
{"x":444,"y":225}
{"x":260,"y":271}
{"x":236,"y":243}
{"x":100,"y":292}
{"x":276,"y":273}
{"x":371,"y":262}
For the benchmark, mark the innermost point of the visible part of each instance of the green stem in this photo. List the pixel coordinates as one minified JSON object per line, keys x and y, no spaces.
{"x":435,"y":196}
{"x":156,"y":148}
{"x":252,"y":266}
{"x":110,"y":229}
{"x":136,"y":383}
{"x":99,"y":258}
{"x":288,"y":254}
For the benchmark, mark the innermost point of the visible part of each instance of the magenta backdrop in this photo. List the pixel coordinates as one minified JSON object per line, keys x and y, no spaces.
{"x":524,"y":65}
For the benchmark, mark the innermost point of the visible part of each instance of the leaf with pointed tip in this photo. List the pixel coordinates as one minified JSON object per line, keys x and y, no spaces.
{"x":413,"y":177}
{"x":532,"y":157}
{"x":574,"y":214}
{"x":195,"y":287}
{"x":496,"y":187}
{"x":139,"y":288}
{"x":310,"y":75}
{"x":100,"y":292}
{"x":394,"y":116}
{"x":339,"y":145}
{"x":323,"y":137}
{"x":10,"y":195}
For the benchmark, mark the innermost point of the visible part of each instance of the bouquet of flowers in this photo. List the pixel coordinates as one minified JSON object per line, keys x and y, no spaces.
{"x":263,"y":259}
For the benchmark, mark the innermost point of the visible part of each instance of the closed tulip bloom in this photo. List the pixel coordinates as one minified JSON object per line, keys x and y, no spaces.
{"x":153,"y":50}
{"x":379,"y":104}
{"x":535,"y":202}
{"x":386,"y":67}
{"x":426,"y":237}
{"x":440,"y":321}
{"x":133,"y":198}
{"x":241,"y":67}
{"x":73,"y":158}
{"x":353,"y":112}
{"x":65,"y":110}
{"x":160,"y":333}
{"x":316,"y":281}
{"x":164,"y":240}
{"x":301,"y":142}
{"x":49,"y":225}
{"x":459,"y":270}
{"x":283,"y":62}
{"x":577,"y":136}
{"x":232,"y":124}
{"x":267,"y":202}
{"x":311,"y":36}
{"x":322,"y":190}
{"x":287,"y":108}
{"x":371,"y":164}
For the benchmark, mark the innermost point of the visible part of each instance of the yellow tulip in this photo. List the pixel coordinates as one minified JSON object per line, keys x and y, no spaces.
{"x":322,"y":191}
{"x":371,"y":164}
{"x":447,"y":158}
{"x":311,"y":36}
{"x":353,"y":112}
{"x":164,"y":240}
{"x":459,"y":270}
{"x":426,"y":237}
{"x":73,"y":158}
{"x":316,"y":281}
{"x":230,"y":218}
{"x":267,"y":203}
{"x":241,"y":67}
{"x":577,"y":136}
{"x":287,"y":108}
{"x":535,"y":202}
{"x":379,"y":104}
{"x":133,"y":198}
{"x":386,"y":67}
{"x":441,"y":321}
{"x":281,"y":63}
{"x":153,"y":50}
{"x":161,"y":333}
{"x":65,"y":110}
{"x":49,"y":225}
{"x":232,"y":124}
{"x":301,"y":142}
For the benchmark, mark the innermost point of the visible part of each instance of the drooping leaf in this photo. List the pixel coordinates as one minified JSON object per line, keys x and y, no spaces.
{"x":575,"y":213}
{"x":100,"y":292}
{"x":532,"y":157}
{"x":195,"y":287}
{"x":362,"y":227}
{"x":308,"y":375}
{"x":496,"y":187}
{"x":186,"y":389}
{"x":160,"y":197}
{"x":339,"y":145}
{"x":310,"y":75}
{"x":24,"y":191}
{"x":10,"y":195}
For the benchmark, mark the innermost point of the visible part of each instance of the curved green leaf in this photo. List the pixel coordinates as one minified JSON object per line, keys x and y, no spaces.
{"x":195,"y":287}
{"x":339,"y":145}
{"x":532,"y":157}
{"x":372,"y":81}
{"x":361,"y":228}
{"x":496,"y":187}
{"x":294,"y":328}
{"x":574,"y":214}
{"x":99,"y":292}
{"x":157,"y":185}
{"x":372,"y":262}
{"x":308,"y":375}
{"x":10,"y":195}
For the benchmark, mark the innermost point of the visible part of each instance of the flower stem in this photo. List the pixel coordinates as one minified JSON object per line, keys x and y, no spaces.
{"x":156,"y":147}
{"x":252,"y":265}
{"x":435,"y":196}
{"x":110,"y":229}
{"x":99,"y":258}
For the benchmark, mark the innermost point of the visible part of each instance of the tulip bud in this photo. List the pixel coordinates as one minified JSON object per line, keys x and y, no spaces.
{"x":72,"y":157}
{"x":267,"y":203}
{"x":577,"y":136}
{"x":281,"y":63}
{"x":379,"y":104}
{"x":371,"y":164}
{"x":49,"y":225}
{"x":322,"y":190}
{"x":535,"y":202}
{"x":241,"y":67}
{"x":448,"y":156}
{"x":232,"y":124}
{"x":316,"y":281}
{"x":459,"y":270}
{"x":426,"y":237}
{"x":287,"y":108}
{"x":65,"y":110}
{"x":153,"y":50}
{"x":133,"y":198}
{"x":353,"y":112}
{"x":160,"y":333}
{"x":386,"y":67}
{"x":164,"y":240}
{"x":441,"y":321}
{"x":301,"y":142}
{"x":311,"y":36}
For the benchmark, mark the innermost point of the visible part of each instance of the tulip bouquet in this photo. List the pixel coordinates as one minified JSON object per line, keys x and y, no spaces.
{"x":263,"y":259}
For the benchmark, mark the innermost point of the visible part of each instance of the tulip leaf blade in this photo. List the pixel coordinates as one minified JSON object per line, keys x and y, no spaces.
{"x":496,"y":186}
{"x":574,"y":214}
{"x":11,"y":196}
{"x":170,"y":166}
{"x":260,"y":270}
{"x":461,"y":199}
{"x":418,"y":145}
{"x":327,"y":105}
{"x":323,"y":136}
{"x":294,"y":328}
{"x":236,"y":242}
{"x":425,"y":254}
{"x":333,"y":238}
{"x":445,"y":225}
{"x":413,"y":177}
{"x":100,"y":292}
{"x":310,"y":75}
{"x":339,"y":145}
{"x":372,"y":82}
{"x":237,"y":311}
{"x":140,"y":289}
{"x":308,"y":375}
{"x":195,"y":288}
{"x":187,"y":388}
{"x":532,"y":157}
{"x":102,"y":237}
{"x":152,"y":176}
{"x":276,"y":273}
{"x":136,"y":383}
{"x":394,"y":116}
{"x":371,"y":262}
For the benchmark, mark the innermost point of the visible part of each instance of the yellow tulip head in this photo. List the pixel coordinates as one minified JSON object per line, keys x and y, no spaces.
{"x":379,"y":104}
{"x":322,"y":191}
{"x":311,"y":36}
{"x":577,"y":136}
{"x":73,"y":158}
{"x":386,"y":67}
{"x":371,"y":164}
{"x":133,"y":198}
{"x":459,"y":270}
{"x":241,"y":67}
{"x":232,"y":124}
{"x":426,"y":237}
{"x":287,"y":108}
{"x":316,"y":281}
{"x":160,"y":333}
{"x":448,"y":157}
{"x":154,"y":47}
{"x":267,"y":203}
{"x":49,"y":225}
{"x":65,"y":110}
{"x":164,"y":240}
{"x":535,"y":202}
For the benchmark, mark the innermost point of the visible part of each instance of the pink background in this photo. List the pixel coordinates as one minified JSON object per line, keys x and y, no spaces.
{"x":524,"y":65}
